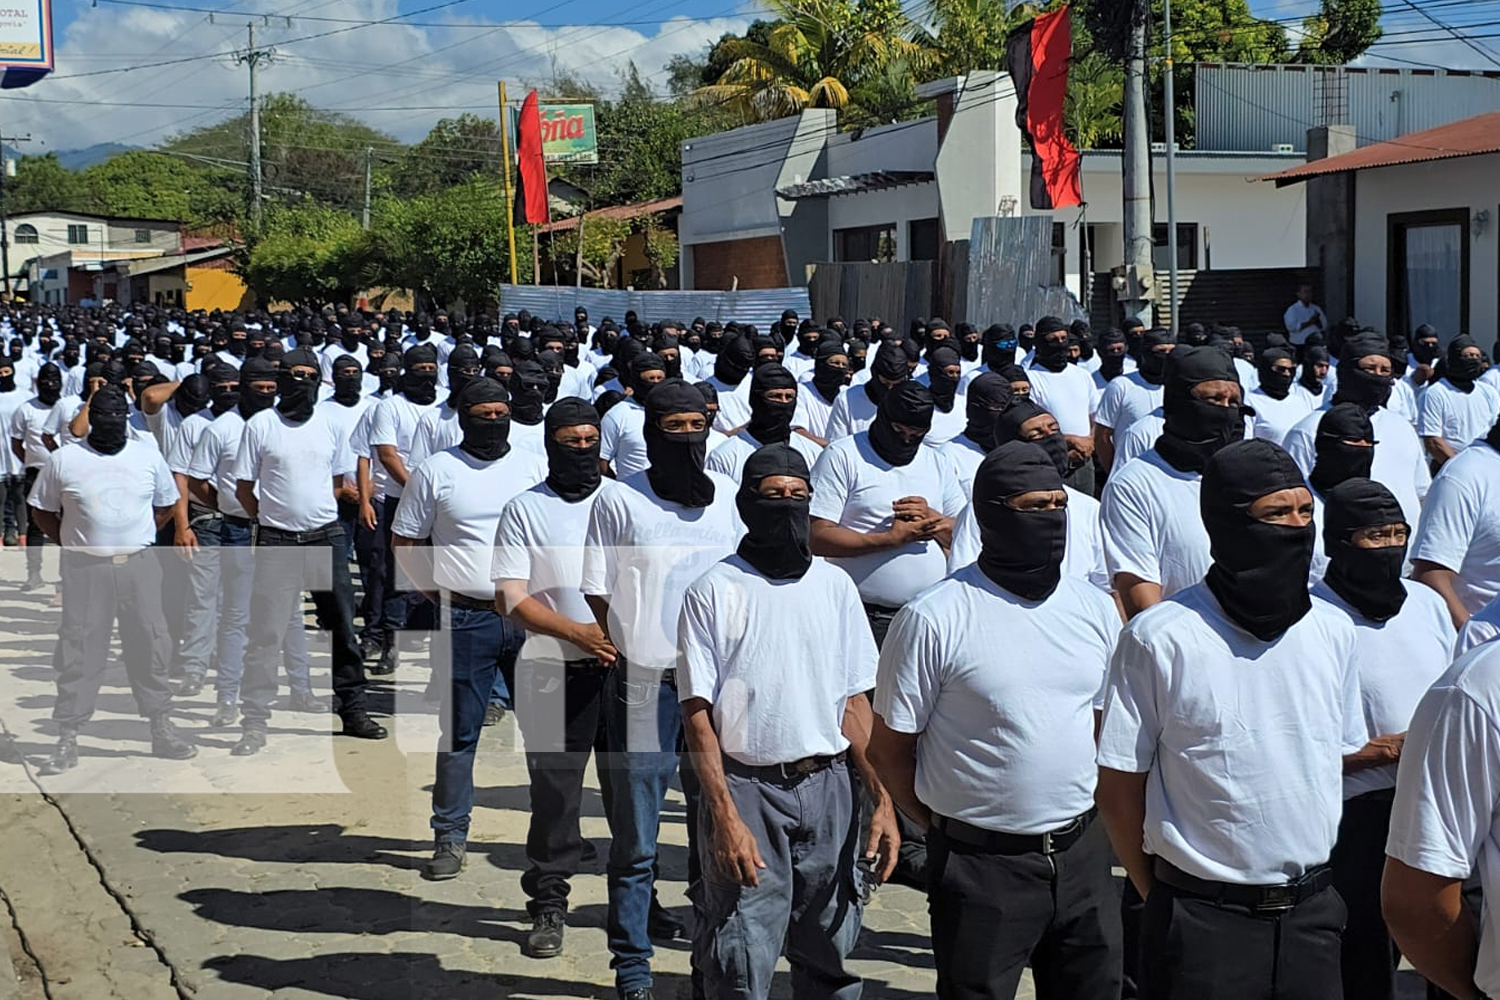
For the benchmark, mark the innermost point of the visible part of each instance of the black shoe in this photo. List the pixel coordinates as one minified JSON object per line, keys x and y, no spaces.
{"x":546,"y":937}
{"x":65,"y":757}
{"x":386,"y":665}
{"x":363,"y":727}
{"x":493,"y":714}
{"x":34,"y":581}
{"x":588,"y":853}
{"x":662,"y":926}
{"x":225,"y":715}
{"x":191,"y":685}
{"x":306,"y":702}
{"x":252,"y":742}
{"x":369,"y":650}
{"x":639,"y":993}
{"x":448,"y":859}
{"x":167,"y":742}
{"x":12,"y":540}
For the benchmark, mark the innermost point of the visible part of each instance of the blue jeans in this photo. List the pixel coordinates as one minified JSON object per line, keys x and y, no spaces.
{"x":643,"y":724}
{"x":200,"y":618}
{"x":484,"y":645}
{"x":236,"y":579}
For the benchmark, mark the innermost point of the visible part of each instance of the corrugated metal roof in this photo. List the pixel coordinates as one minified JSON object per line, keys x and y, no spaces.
{"x":616,"y":212}
{"x":1470,"y":137}
{"x":877,"y":180}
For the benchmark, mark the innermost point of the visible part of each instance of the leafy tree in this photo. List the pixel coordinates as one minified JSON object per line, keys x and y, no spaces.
{"x":306,"y":255}
{"x":1340,"y":32}
{"x":602,"y":242}
{"x":1092,"y":112}
{"x":43,"y":184}
{"x":146,"y":185}
{"x":968,"y":35}
{"x":454,"y":151}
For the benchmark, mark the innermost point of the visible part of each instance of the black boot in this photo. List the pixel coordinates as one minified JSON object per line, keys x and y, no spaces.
{"x":252,"y":741}
{"x":386,"y":664}
{"x":167,"y":742}
{"x":361,"y":726}
{"x":65,"y":757}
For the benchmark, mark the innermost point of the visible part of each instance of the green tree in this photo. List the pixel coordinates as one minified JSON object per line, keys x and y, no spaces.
{"x":42,"y":184}
{"x":1340,"y":32}
{"x":602,"y":245}
{"x":968,"y":35}
{"x":146,"y":185}
{"x":306,"y":255}
{"x":454,"y":151}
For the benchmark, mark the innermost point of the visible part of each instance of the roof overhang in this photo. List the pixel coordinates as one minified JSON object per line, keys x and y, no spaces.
{"x":832,"y":187}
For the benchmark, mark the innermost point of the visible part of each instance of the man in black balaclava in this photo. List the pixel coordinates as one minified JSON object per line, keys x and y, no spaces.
{"x":966,"y":337}
{"x":999,"y":346}
{"x":1457,"y":409}
{"x":29,"y":440}
{"x":801,"y":358}
{"x":1201,"y":407}
{"x":297,"y":385}
{"x":904,"y":418}
{"x":1426,"y":350}
{"x":1066,"y":391}
{"x":944,"y":369}
{"x":463,"y":368}
{"x":1277,"y":407}
{"x":988,"y":397}
{"x":254,"y":394}
{"x":733,"y":363}
{"x":675,"y":447}
{"x":1112,"y":354}
{"x":1275,"y":664}
{"x":1024,"y":421}
{"x":788,"y":326}
{"x":859,"y":350}
{"x":346,"y":407}
{"x":419,"y":375}
{"x":1345,"y":448}
{"x":830,"y":374}
{"x":1314,"y":370}
{"x":528,"y":393}
{"x":856,"y":409}
{"x":551,"y":363}
{"x":774,"y":405}
{"x":348,"y":381}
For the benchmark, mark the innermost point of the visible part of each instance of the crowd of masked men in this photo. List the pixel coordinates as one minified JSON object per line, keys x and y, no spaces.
{"x":987,"y":613}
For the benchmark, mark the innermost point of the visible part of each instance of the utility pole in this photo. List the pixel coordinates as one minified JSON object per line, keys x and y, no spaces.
{"x":1169,"y":115}
{"x":1137,"y":164}
{"x":252,"y":57}
{"x":4,"y":223}
{"x":369,"y":165}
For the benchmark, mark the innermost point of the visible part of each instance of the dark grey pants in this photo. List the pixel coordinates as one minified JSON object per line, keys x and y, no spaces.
{"x":806,"y":832}
{"x":100,"y":591}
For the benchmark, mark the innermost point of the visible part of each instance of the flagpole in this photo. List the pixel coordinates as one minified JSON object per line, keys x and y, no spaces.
{"x":510,"y":209}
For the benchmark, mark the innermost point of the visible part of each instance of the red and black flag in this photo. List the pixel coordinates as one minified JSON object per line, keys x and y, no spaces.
{"x":531,"y":168}
{"x":1038,"y":53}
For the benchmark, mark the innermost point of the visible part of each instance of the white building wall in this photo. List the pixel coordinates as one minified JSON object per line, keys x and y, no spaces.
{"x":898,"y":205}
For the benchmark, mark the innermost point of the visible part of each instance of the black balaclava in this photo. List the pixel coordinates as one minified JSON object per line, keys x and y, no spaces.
{"x":808,"y":337}
{"x":668,"y":342}
{"x":552,"y":365}
{"x":298,"y":397}
{"x":1020,"y":551}
{"x":826,"y":379}
{"x":419,"y":387}
{"x":1337,"y":460}
{"x":631,"y":377}
{"x":1018,"y":414}
{"x":49,"y":382}
{"x":909,"y":404}
{"x":1461,"y":372}
{"x":1051,"y":356}
{"x":349,"y":338}
{"x":734,"y":361}
{"x":1111,"y":361}
{"x":1425,"y":346}
{"x":676,"y":469}
{"x":999,"y":346}
{"x":1369,"y":579}
{"x":1014,"y":374}
{"x":777,"y":529}
{"x":1195,"y":429}
{"x":859,"y":350}
{"x":572,"y":473}
{"x":486,"y":440}
{"x":1081,"y":335}
{"x":1358,"y":386}
{"x":376,"y":353}
{"x":494,"y":360}
{"x":1195,"y":335}
{"x":966,"y":337}
{"x":109,"y":417}
{"x":252,"y":402}
{"x":944,"y":387}
{"x":223,"y":387}
{"x":461,"y":357}
{"x":1277,"y":385}
{"x":1309,"y":379}
{"x":390,"y":374}
{"x":191,"y":395}
{"x":988,"y":397}
{"x":1399,"y":351}
{"x":890,"y":363}
{"x":1025,"y":338}
{"x":1151,"y":364}
{"x":528,"y":393}
{"x":770,"y":422}
{"x":142,"y":377}
{"x":1259,"y":572}
{"x":348,"y":380}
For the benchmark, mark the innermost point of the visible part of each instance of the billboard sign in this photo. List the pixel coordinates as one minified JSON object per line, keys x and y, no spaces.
{"x":568,"y":134}
{"x":25,"y":42}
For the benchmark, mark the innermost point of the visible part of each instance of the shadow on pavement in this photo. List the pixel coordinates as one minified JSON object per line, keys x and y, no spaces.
{"x":325,"y":843}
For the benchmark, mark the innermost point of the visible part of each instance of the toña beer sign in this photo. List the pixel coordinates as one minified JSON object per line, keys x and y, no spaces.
{"x":568,"y":134}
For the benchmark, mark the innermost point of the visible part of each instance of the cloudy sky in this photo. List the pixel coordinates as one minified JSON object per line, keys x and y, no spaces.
{"x":427,"y":63}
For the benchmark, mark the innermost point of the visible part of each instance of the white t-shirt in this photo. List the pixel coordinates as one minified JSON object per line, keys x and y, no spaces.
{"x":730,"y":457}
{"x":1446,"y":817}
{"x":541,"y":541}
{"x":1138,"y":438}
{"x":1404,"y":400}
{"x":1125,"y":400}
{"x":395,"y":423}
{"x":455,"y":500}
{"x":27,"y":425}
{"x":855,"y":488}
{"x":642,"y":552}
{"x":813,"y":410}
{"x":622,"y":438}
{"x":1243,"y":740}
{"x":1459,"y":418}
{"x":1151,"y":523}
{"x":107,"y":502}
{"x":777,"y":659}
{"x":359,"y":447}
{"x":1003,"y":745}
{"x":577,"y":381}
{"x":214,"y":458}
{"x":437,"y":431}
{"x":1320,"y":400}
{"x":1400,"y":464}
{"x":1397,"y":661}
{"x":1069,"y":395}
{"x":1275,"y":417}
{"x":293,"y":466}
{"x":11,"y":403}
{"x":163,"y":424}
{"x":184,"y":442}
{"x":347,"y":417}
{"x":1482,"y":626}
{"x":1083,"y":551}
{"x":1460,"y":527}
{"x":1297,"y":314}
{"x":852,"y":411}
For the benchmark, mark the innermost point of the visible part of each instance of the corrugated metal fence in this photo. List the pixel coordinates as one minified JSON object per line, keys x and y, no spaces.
{"x":762,"y":306}
{"x":1010,"y":267}
{"x":895,"y":292}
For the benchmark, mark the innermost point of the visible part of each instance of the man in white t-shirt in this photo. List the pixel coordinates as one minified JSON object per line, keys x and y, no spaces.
{"x":1228,"y":710}
{"x":646,"y":542}
{"x":1457,"y":548}
{"x":1304,"y":317}
{"x":28,"y":441}
{"x":13,"y":396}
{"x":453,"y":500}
{"x":1132,"y":394}
{"x":856,"y":405}
{"x":1459,"y":408}
{"x":103,"y":500}
{"x":1277,"y":407}
{"x":1066,"y":391}
{"x":1482,"y":626}
{"x":995,"y":760}
{"x":290,"y":471}
{"x":1404,"y":643}
{"x":774,"y":398}
{"x":1445,"y":830}
{"x":622,"y":448}
{"x":775,"y":660}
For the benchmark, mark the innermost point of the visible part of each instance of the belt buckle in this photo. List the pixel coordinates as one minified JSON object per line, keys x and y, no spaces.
{"x":1048,"y":847}
{"x":1278,"y":897}
{"x":119,"y":560}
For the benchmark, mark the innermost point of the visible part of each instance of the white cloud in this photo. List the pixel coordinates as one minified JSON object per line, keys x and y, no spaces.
{"x":380,"y":67}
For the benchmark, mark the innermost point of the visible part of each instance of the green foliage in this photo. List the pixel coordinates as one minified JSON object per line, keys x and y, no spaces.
{"x":968,"y":35}
{"x":42,"y":184}
{"x":456,"y":150}
{"x":448,"y":246}
{"x":145,"y":185}
{"x":306,"y":255}
{"x":1340,"y":32}
{"x":603,"y":242}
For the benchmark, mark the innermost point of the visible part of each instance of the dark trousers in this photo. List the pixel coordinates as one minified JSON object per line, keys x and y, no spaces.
{"x":364,"y":556}
{"x":286,"y":563}
{"x":1369,"y":957}
{"x":34,"y":537}
{"x":911,"y":857}
{"x":175,"y":585}
{"x":994,"y":914}
{"x":558,"y":708}
{"x":13,"y":497}
{"x":1192,"y":948}
{"x":102,"y":590}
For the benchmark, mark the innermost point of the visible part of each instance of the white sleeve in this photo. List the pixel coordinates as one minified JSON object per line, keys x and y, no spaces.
{"x":46,"y":492}
{"x":838,"y":418}
{"x":697,"y":666}
{"x":1299,"y":444}
{"x":247,"y":461}
{"x":421,"y":440}
{"x":164,"y":491}
{"x":909,"y":679}
{"x":1131,"y":726}
{"x":609,"y":434}
{"x":203,"y":461}
{"x":1449,"y":519}
{"x":512,"y":559}
{"x":179,"y":456}
{"x":954,"y":501}
{"x":344,"y":461}
{"x":830,"y":486}
{"x":965,"y":541}
{"x":1130,"y":543}
{"x":417,"y":509}
{"x":1107,"y":414}
{"x":598,"y":551}
{"x":383,"y":427}
{"x":861,"y":656}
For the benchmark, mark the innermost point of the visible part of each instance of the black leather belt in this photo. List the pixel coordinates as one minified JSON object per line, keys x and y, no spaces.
{"x":996,"y":842}
{"x":879,"y":609}
{"x":323,"y":534}
{"x":471,"y":603}
{"x":237,"y":521}
{"x":198,"y":512}
{"x":587,"y":663}
{"x":1260,"y":898}
{"x":792,"y":772}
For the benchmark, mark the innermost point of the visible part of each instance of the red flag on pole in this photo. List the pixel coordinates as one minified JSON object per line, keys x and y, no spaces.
{"x":531,"y":169}
{"x":1038,"y":54}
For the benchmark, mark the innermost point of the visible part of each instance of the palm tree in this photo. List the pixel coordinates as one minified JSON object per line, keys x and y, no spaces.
{"x":968,"y":35}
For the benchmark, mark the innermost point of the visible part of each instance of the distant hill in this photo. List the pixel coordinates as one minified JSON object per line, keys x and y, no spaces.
{"x":81,"y":159}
